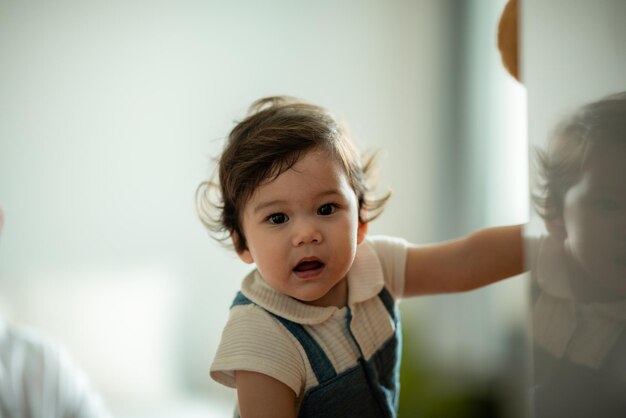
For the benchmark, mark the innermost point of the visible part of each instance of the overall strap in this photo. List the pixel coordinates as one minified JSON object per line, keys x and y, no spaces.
{"x":240,"y":299}
{"x":321,"y":365}
{"x":387,"y":300}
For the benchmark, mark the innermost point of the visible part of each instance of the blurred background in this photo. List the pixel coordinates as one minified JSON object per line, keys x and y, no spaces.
{"x":110,"y":114}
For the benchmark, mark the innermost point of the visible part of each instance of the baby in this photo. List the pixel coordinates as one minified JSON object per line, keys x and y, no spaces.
{"x":314,"y":331}
{"x":579,"y":269}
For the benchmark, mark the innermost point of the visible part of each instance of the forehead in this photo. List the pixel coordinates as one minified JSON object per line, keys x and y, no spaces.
{"x":605,"y":166}
{"x":316,"y":172}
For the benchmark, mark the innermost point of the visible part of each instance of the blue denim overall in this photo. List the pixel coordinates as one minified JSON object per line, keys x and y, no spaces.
{"x":370,"y":389}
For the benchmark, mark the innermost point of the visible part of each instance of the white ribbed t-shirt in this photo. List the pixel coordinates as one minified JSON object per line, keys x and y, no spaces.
{"x":253,"y":340}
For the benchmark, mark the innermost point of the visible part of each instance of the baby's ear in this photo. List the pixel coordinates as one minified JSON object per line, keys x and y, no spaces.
{"x":361,"y":231}
{"x":556,"y":228}
{"x":244,"y":255}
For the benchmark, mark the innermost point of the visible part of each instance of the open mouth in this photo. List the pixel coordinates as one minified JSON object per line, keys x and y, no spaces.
{"x":308,"y":268}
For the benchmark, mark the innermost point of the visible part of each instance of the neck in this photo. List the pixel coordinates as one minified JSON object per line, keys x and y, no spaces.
{"x":587,"y":288}
{"x":336,"y":296}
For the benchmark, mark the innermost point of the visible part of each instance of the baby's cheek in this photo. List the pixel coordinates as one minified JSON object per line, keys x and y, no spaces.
{"x":599,"y":262}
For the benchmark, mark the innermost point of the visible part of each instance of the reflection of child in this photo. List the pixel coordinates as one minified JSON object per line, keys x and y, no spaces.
{"x":579,"y":270}
{"x":314,"y":330}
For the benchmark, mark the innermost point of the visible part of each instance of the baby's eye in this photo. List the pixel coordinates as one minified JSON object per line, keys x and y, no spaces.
{"x":608,"y":205}
{"x":327,"y":209}
{"x":277,"y":218}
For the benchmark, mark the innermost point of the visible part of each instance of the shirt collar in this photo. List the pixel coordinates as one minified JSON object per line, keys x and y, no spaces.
{"x":365,"y":280}
{"x":553,"y":278}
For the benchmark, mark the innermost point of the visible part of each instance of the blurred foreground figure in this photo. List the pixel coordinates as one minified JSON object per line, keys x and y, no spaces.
{"x":579,"y":269}
{"x":38,"y":378}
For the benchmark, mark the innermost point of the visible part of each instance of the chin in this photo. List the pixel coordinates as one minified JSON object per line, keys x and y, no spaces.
{"x":618,"y":286}
{"x":312,"y":298}
{"x":309,"y":298}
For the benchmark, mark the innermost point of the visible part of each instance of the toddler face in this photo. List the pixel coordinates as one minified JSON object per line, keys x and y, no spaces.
{"x":594,"y":217}
{"x":302,"y":229}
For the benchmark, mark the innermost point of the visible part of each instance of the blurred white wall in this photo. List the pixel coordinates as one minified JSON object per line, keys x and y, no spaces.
{"x":111,"y":111}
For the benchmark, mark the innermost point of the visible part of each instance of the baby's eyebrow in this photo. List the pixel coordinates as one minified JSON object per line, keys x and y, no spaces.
{"x":278,"y":202}
{"x":611,"y":191}
{"x":264,"y":205}
{"x":328,"y":193}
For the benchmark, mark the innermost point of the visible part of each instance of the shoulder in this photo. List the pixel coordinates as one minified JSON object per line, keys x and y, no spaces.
{"x":546,"y":260}
{"x":254,"y":340}
{"x":387,"y":245}
{"x":391,"y":252}
{"x":533,"y":246}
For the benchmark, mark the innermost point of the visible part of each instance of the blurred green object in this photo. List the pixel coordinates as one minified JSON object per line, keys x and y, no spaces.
{"x":427,"y":392}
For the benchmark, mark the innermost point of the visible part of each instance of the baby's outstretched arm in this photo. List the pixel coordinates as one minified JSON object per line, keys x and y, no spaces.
{"x":262,"y":396}
{"x":467,"y":263}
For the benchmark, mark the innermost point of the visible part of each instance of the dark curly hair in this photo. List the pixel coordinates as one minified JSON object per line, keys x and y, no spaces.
{"x":561,"y":164}
{"x":276,"y":132}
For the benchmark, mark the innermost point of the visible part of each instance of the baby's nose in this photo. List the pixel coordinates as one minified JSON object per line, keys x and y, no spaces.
{"x":307,"y":232}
